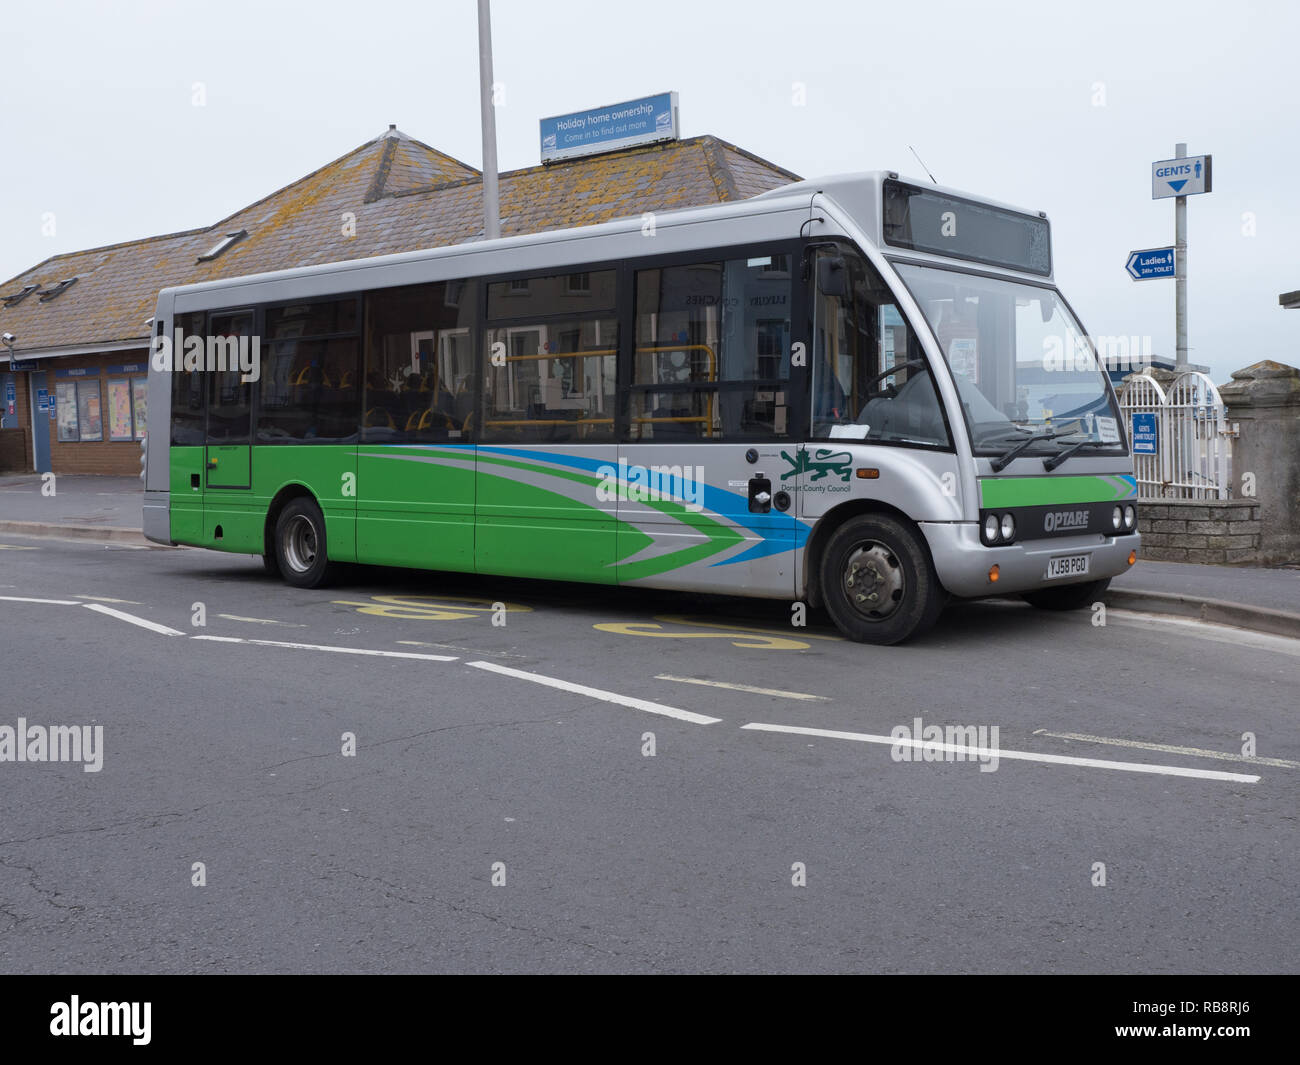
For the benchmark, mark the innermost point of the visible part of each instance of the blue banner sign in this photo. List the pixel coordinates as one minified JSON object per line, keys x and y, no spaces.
{"x":606,"y":129}
{"x":1145,"y":435}
{"x":1149,"y":263}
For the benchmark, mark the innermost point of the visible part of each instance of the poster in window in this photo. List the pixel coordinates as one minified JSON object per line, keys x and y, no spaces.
{"x":139,"y":403}
{"x":962,"y":357}
{"x":119,"y":409}
{"x":65,"y":393}
{"x":88,"y":412}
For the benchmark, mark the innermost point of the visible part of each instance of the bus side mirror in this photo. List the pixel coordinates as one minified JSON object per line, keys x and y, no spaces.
{"x":832,"y":277}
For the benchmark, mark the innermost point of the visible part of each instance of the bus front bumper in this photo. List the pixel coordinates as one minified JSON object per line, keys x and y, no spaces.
{"x":963,"y":562}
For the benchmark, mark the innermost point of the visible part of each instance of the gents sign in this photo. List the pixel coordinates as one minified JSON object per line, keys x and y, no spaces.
{"x":606,"y":129}
{"x":1181,"y":177}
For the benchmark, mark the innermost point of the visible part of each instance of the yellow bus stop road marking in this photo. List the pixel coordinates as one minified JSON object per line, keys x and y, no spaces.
{"x":741,"y":687}
{"x":739,"y":635}
{"x":681,"y":619}
{"x":16,"y":547}
{"x":1195,"y":752}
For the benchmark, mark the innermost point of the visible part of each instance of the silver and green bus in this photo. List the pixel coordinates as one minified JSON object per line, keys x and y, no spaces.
{"x":861,"y":393}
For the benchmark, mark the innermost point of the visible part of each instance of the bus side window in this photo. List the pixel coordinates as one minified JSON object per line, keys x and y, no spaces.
{"x":230,"y":399}
{"x":417,"y":378}
{"x":712,"y":351}
{"x":187,"y":388}
{"x":863,"y":385}
{"x":549,"y":359}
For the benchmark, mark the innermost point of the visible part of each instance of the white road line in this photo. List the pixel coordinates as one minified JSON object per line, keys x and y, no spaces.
{"x":1024,"y":756}
{"x":597,"y":693}
{"x":326,"y":647}
{"x":262,"y":621}
{"x":741,"y":687}
{"x":1195,"y":752}
{"x":458,"y":647}
{"x":52,"y":602}
{"x":122,"y":615}
{"x":106,"y":599}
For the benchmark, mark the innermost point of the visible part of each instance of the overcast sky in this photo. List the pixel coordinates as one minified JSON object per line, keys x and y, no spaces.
{"x":1058,"y":107}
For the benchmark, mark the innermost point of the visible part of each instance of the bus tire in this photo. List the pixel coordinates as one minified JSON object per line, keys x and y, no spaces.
{"x":1069,"y":597}
{"x":877,"y":581}
{"x":300,"y":545}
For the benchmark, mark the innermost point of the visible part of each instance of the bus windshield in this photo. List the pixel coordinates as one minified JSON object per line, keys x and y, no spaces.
{"x":1020,"y":361}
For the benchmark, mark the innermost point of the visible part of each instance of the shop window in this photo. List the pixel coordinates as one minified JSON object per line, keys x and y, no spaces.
{"x":139,"y":404}
{"x":119,"y":409}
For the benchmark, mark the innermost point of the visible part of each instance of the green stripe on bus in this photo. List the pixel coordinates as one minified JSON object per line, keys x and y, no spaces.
{"x":632,"y":541}
{"x":1044,"y":491}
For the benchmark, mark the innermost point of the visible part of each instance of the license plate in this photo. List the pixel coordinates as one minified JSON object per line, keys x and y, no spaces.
{"x":1067,"y":566}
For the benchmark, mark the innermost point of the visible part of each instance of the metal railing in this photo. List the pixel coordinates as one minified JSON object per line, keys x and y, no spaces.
{"x":1192,"y":456}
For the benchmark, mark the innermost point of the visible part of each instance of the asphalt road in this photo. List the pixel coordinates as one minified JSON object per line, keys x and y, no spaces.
{"x":229,"y":752}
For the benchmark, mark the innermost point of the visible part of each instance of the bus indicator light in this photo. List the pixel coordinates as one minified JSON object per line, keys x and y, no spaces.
{"x":866,"y":473}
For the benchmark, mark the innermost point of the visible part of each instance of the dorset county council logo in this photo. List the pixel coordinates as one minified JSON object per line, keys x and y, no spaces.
{"x":821,"y":463}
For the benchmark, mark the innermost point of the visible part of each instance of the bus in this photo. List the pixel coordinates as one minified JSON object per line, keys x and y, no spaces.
{"x":863,"y":393}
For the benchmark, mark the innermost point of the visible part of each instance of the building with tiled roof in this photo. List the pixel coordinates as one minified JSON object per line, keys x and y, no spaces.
{"x":391,"y":194}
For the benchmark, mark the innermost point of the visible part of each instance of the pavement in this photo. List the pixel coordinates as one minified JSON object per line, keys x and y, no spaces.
{"x":1265,"y":599}
{"x":72,"y":506}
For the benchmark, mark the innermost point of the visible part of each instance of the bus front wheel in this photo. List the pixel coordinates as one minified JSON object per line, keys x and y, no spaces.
{"x":877,"y":581}
{"x":300,"y":546}
{"x":1070,"y":597}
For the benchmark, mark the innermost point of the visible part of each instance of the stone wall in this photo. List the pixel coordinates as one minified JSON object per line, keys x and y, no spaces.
{"x":1215,"y":531}
{"x":1264,"y":400}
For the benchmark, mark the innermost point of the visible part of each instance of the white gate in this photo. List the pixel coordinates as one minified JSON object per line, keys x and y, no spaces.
{"x":1193,"y":443}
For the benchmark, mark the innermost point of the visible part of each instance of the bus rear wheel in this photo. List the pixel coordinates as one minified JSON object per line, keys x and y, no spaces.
{"x":877,"y":581}
{"x":300,"y":545}
{"x":1071,"y":597}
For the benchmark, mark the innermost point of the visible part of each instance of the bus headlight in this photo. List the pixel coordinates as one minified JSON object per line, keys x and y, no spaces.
{"x":1008,"y":527}
{"x":1130,"y":517}
{"x":991,"y":527}
{"x":1116,"y":518}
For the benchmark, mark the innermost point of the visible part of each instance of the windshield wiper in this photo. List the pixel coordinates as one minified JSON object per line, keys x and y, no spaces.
{"x":1050,"y":463}
{"x":1004,"y":460}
